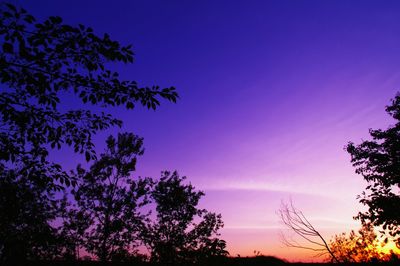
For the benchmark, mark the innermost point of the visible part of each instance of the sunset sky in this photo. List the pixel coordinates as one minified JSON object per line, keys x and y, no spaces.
{"x":270,"y":93}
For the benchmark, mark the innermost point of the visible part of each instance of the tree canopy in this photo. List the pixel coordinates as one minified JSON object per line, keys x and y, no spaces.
{"x":378,"y":161}
{"x":43,"y":63}
{"x":26,"y":214}
{"x":181,"y":233}
{"x":111,"y":199}
{"x":40,"y":62}
{"x":104,"y":210}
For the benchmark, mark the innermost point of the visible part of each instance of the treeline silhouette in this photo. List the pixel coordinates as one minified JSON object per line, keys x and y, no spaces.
{"x":106,"y":215}
{"x":222,"y":261}
{"x":102,"y":212}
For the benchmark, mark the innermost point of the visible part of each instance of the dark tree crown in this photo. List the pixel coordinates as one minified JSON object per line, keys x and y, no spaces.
{"x":378,"y":161}
{"x":39,"y":63}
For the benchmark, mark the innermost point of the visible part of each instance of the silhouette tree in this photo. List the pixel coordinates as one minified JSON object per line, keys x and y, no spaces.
{"x":296,"y":222}
{"x":41,"y":65}
{"x":109,"y":201}
{"x":75,"y":222}
{"x":26,"y":213}
{"x":174,"y":237}
{"x":43,"y":62}
{"x":361,"y":246}
{"x":378,"y":161}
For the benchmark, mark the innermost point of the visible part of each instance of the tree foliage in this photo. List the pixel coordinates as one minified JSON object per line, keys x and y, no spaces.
{"x":110,"y":201}
{"x":378,"y":161}
{"x":41,"y":65}
{"x":181,"y":232}
{"x":362,"y":246}
{"x":41,"y":62}
{"x":26,"y":213}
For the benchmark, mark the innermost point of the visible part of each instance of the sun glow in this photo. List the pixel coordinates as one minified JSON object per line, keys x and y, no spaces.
{"x":389,"y":248}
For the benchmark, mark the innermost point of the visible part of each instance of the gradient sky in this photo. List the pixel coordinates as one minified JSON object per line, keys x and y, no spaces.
{"x":270,"y":93}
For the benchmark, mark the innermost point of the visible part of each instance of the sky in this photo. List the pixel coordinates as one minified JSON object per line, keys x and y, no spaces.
{"x":270,"y":94}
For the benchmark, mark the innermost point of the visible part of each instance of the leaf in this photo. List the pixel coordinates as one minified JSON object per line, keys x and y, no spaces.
{"x":87,"y":156}
{"x":129,"y":105}
{"x":12,"y":7}
{"x":57,"y":60}
{"x":8,"y":48}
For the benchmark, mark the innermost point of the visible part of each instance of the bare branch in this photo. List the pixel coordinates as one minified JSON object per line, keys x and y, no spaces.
{"x":296,"y":221}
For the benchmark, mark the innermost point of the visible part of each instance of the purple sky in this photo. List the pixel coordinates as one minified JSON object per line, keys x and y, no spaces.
{"x":271,"y":92}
